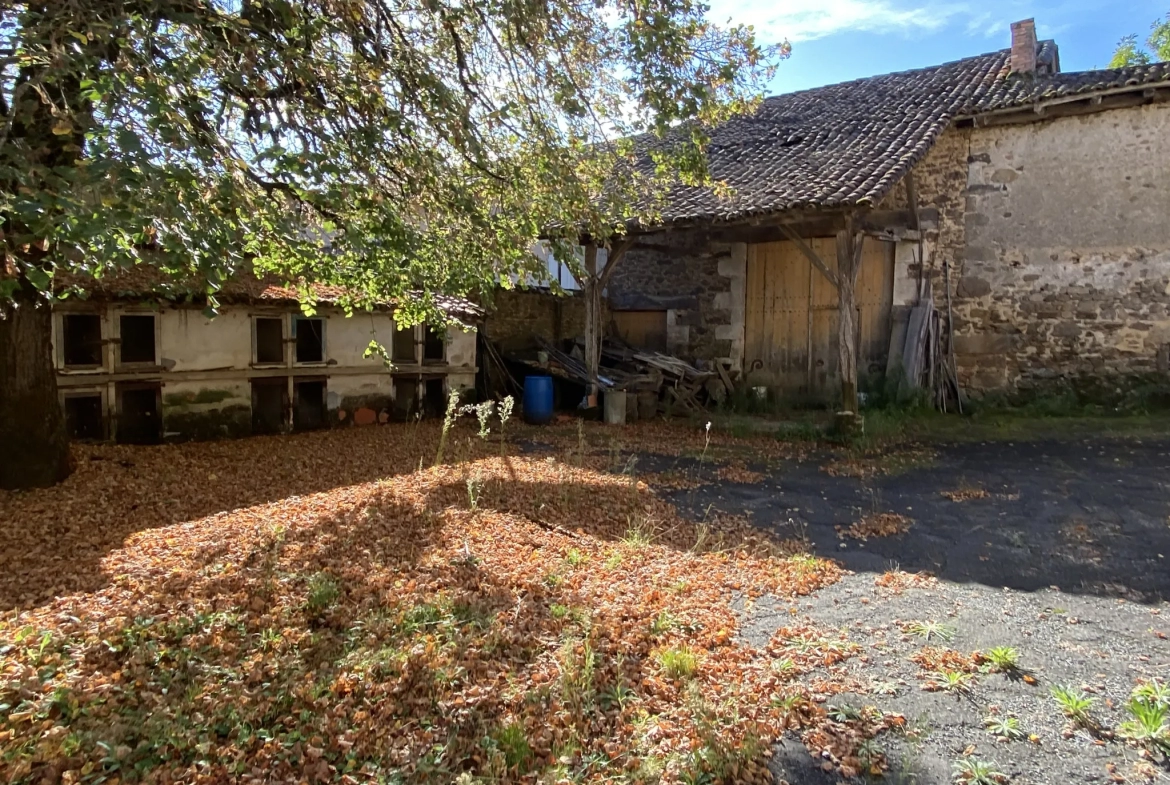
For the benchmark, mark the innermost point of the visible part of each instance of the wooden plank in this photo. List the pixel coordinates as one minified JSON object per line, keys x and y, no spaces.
{"x":809,"y":253}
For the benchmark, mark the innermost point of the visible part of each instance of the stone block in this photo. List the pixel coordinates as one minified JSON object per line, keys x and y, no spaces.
{"x":971,"y":286}
{"x":984,"y":343}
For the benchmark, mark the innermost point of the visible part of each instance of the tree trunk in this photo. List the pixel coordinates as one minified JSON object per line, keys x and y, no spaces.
{"x":34,"y":445}
{"x":592,"y":291}
{"x":848,"y":265}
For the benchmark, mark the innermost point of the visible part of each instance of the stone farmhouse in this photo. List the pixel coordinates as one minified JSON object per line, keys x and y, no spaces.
{"x":1034,"y":202}
{"x":140,"y":363}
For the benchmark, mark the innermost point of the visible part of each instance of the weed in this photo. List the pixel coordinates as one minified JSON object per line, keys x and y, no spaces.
{"x":474,"y":491}
{"x":870,"y":753}
{"x":614,"y":561}
{"x":576,"y":558}
{"x":972,"y":771}
{"x":504,"y":411}
{"x":788,"y":703}
{"x":558,"y":611}
{"x":513,"y":742}
{"x":1004,"y":659}
{"x":932,"y":630}
{"x":553,"y":580}
{"x":639,"y":534}
{"x":270,"y":638}
{"x":784,"y":667}
{"x":1154,"y":691}
{"x":1073,"y":704}
{"x":663,"y":622}
{"x":952,"y":681}
{"x":324,"y":591}
{"x":1004,"y":727}
{"x":449,"y":418}
{"x":483,"y":412}
{"x":679,"y":662}
{"x":842,"y":712}
{"x":1149,"y":724}
{"x":618,"y":696}
{"x":577,"y":662}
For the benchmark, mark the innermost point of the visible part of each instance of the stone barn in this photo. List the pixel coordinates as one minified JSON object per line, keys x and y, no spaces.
{"x":1035,"y":203}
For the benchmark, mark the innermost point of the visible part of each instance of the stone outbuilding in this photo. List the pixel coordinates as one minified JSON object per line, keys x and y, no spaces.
{"x":1031,"y":203}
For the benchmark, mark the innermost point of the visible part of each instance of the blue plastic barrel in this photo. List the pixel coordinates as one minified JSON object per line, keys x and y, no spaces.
{"x":538,"y":399}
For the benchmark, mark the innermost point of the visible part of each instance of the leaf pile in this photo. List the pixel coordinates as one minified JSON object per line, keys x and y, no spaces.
{"x":318,"y":608}
{"x":737,"y":472}
{"x":885,"y":524}
{"x":965,"y":493}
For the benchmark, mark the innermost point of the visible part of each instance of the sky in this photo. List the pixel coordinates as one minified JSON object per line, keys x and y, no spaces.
{"x":837,"y":40}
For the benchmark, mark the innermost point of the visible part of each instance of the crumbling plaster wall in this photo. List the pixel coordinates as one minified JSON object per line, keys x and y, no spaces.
{"x":205,"y":365}
{"x":697,"y":281}
{"x":1066,"y":254}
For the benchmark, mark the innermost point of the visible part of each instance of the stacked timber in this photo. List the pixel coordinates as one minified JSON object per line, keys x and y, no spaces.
{"x":677,"y":384}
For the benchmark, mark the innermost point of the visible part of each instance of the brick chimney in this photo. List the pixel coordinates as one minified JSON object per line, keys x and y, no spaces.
{"x":1024,"y":47}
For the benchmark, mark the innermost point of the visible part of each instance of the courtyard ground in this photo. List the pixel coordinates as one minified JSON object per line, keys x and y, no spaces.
{"x":589,"y":604}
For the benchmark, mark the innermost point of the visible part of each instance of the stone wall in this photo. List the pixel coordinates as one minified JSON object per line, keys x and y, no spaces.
{"x":517,"y":316}
{"x":1062,"y":255}
{"x":697,"y":281}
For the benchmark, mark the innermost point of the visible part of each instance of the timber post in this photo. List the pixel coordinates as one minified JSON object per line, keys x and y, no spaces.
{"x":849,"y":244}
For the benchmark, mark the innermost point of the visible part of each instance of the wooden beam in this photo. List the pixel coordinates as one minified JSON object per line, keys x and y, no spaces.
{"x":617,"y":250}
{"x":890,"y":225}
{"x":809,"y":254}
{"x":1082,"y":106}
{"x":592,"y":290}
{"x":849,"y":246}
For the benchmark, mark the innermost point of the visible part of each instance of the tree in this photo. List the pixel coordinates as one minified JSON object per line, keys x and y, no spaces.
{"x":1130,"y":52}
{"x":385,"y":145}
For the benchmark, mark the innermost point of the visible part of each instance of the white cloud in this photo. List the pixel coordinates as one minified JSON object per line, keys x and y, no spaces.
{"x":805,"y":20}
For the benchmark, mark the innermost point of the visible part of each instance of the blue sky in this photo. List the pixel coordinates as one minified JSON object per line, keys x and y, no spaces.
{"x":838,"y":40}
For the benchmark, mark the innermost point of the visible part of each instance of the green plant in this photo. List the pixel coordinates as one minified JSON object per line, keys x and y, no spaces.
{"x":952,"y":681}
{"x":639,"y":534}
{"x":1149,"y":724}
{"x":576,"y":558}
{"x":558,"y":611}
{"x":972,"y":771}
{"x":504,"y":411}
{"x":1073,"y":704}
{"x":841,"y":712}
{"x":1004,"y":727}
{"x":614,"y":561}
{"x":784,"y":667}
{"x":324,"y":591}
{"x":449,"y":418}
{"x":483,"y":412}
{"x":513,"y":742}
{"x":679,"y":662}
{"x":577,"y":662}
{"x":663,"y":622}
{"x":1154,"y":691}
{"x":618,"y":695}
{"x":474,"y":490}
{"x":932,"y":630}
{"x":1004,"y":659}
{"x":787,"y":703}
{"x":870,"y":753}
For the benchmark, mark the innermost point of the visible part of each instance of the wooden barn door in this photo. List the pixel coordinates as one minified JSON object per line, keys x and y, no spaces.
{"x":790,"y":331}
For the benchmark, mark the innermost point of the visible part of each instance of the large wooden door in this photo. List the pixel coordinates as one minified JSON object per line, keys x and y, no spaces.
{"x":790,"y":331}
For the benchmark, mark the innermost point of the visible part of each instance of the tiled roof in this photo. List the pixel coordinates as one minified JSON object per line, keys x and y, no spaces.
{"x":147,"y":282}
{"x":848,"y":144}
